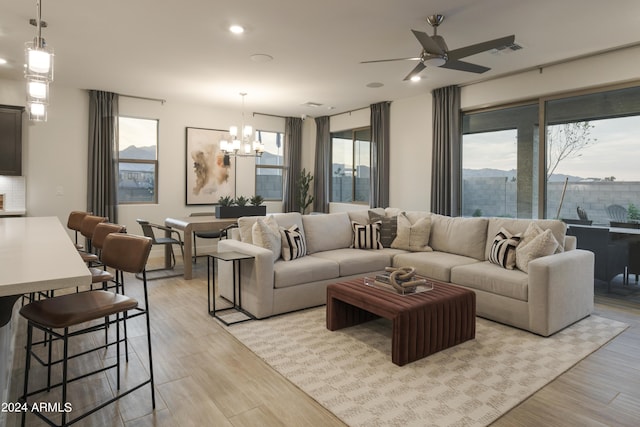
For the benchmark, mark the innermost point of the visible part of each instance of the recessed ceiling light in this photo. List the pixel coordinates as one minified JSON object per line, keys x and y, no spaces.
{"x":236,"y":29}
{"x":3,"y":61}
{"x":416,"y":78}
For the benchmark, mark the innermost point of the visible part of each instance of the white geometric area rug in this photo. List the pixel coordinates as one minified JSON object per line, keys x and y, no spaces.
{"x":350,"y":372}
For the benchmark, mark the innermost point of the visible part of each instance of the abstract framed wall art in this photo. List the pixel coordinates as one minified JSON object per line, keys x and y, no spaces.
{"x":209,"y":174}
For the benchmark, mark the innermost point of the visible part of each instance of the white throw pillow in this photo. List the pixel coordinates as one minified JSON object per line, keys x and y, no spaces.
{"x":293,"y":243}
{"x":503,"y":249}
{"x":266,"y":234}
{"x":413,"y":237}
{"x":542,"y":245}
{"x":366,"y":236}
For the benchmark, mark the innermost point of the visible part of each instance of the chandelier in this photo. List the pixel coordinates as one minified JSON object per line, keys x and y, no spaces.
{"x":245,"y":144}
{"x":38,"y":70}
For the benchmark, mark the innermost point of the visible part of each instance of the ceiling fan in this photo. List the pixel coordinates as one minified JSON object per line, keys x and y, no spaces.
{"x":436,"y":53}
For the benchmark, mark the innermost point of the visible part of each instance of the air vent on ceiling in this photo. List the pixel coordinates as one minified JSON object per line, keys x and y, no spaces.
{"x":312,"y":104}
{"x":506,"y":48}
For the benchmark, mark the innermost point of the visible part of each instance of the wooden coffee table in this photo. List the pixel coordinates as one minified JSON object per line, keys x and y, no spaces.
{"x":423,"y":323}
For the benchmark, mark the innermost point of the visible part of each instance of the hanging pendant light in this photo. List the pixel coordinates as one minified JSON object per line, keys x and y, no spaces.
{"x":38,"y":70}
{"x":246,"y":141}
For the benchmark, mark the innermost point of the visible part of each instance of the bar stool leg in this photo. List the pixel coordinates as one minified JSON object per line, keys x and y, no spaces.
{"x":146,"y":298}
{"x":125,"y":316}
{"x":50,"y":339}
{"x":65,"y":358}
{"x":27,"y":367}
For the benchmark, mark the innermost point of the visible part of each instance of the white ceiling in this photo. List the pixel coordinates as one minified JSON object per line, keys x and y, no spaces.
{"x":183,"y":51}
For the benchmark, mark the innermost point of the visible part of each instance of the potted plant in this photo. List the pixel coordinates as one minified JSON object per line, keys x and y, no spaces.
{"x":230,"y":208}
{"x":303,"y":198}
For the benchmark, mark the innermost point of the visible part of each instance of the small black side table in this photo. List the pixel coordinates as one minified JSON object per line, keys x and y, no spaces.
{"x":234,"y":257}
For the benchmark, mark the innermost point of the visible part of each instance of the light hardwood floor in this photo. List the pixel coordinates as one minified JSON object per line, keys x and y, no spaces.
{"x":204,"y":377}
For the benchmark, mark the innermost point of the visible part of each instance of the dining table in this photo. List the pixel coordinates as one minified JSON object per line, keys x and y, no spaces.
{"x":188,"y":225}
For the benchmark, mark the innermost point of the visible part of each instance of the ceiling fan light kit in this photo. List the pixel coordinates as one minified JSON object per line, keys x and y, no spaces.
{"x":436,"y":53}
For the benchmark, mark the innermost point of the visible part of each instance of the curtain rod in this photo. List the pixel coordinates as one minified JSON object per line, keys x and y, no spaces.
{"x":268,"y":115}
{"x":161,"y":101}
{"x":350,"y":111}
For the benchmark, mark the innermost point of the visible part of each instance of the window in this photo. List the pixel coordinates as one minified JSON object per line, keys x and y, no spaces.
{"x":138,"y":160}
{"x":588,"y":159}
{"x":351,"y":166}
{"x":499,"y":155}
{"x":270,"y":166}
{"x":592,"y":144}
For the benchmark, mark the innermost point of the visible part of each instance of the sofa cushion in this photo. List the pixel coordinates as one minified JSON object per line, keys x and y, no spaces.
{"x":356,"y":261}
{"x":491,"y":278}
{"x":503,"y":249}
{"x":245,"y":225}
{"x":293,"y":243}
{"x":327,"y":232}
{"x":557,"y":227}
{"x":285,"y":220}
{"x":388,"y":227}
{"x":265,"y":233}
{"x":435,"y":265}
{"x":460,"y":236}
{"x":303,"y":270}
{"x":543,"y":244}
{"x":366,"y":236}
{"x":361,"y":216}
{"x":412,"y":235}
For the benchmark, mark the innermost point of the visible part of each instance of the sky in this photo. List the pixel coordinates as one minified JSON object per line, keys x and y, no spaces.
{"x":616,"y":152}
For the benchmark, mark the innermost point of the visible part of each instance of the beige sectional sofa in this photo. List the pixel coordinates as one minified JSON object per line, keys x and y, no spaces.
{"x":556,"y":291}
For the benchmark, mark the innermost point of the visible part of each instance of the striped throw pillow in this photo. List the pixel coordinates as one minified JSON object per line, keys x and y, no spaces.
{"x":366,"y":236}
{"x":503,"y":249}
{"x":293,"y":243}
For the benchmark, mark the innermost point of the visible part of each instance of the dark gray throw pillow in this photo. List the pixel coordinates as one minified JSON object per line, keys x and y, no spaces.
{"x":388,"y":229}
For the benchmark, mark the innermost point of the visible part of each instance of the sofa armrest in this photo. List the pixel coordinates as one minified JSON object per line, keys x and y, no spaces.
{"x":256,"y":277}
{"x":560,"y":290}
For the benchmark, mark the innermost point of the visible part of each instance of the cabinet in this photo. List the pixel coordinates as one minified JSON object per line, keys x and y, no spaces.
{"x":11,"y":140}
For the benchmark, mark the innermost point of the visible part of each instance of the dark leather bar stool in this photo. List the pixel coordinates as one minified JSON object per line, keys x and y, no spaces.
{"x":87,"y":228}
{"x":124,"y":253}
{"x":74,"y":222}
{"x":101,"y":231}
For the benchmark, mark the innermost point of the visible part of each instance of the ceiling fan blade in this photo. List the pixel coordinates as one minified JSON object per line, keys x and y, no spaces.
{"x":389,"y":60}
{"x":480,"y":47}
{"x":464,"y":66}
{"x":415,"y":71}
{"x":428,"y":43}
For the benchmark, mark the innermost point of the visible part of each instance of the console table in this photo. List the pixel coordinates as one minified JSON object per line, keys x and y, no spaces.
{"x":235,"y":258}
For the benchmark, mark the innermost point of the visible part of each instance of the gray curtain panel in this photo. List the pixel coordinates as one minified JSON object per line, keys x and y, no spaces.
{"x":446,"y":164}
{"x":380,"y":155}
{"x":103,"y":154}
{"x":293,"y":159}
{"x":322,"y":168}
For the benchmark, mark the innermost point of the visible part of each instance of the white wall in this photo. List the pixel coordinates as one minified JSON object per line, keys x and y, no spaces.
{"x":410,"y":153}
{"x":615,"y":67}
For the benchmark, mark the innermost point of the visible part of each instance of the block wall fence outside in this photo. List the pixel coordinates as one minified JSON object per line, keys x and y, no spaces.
{"x":497,"y":197}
